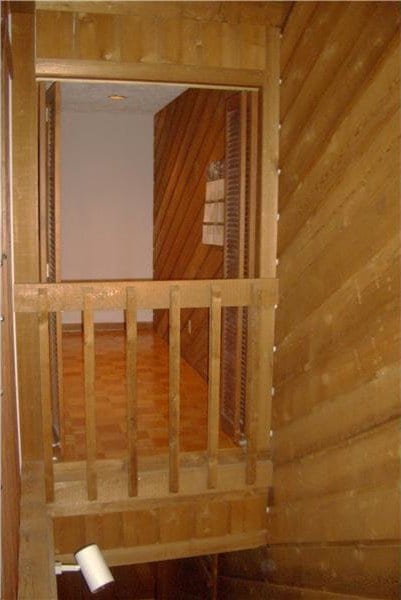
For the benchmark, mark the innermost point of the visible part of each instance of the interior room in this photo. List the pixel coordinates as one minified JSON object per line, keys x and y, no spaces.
{"x":282,"y":135}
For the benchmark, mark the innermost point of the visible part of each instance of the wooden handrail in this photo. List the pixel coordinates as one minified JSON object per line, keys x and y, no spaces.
{"x":151,"y":294}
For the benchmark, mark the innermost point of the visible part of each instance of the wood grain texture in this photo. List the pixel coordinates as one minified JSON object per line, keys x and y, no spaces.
{"x":25,"y":223}
{"x":336,"y":406}
{"x":228,"y":36}
{"x":10,"y":469}
{"x":197,"y":119}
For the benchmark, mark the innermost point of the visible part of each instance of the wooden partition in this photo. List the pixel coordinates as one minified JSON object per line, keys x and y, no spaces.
{"x":44,"y":299}
{"x":237,"y":478}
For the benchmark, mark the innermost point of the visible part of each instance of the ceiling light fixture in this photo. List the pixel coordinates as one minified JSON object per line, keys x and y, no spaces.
{"x":117,"y":97}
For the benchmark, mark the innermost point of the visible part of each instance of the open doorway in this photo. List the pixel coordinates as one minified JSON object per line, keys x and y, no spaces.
{"x":113,"y":225}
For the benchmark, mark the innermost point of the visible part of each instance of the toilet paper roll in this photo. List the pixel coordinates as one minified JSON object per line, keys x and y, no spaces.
{"x":93,"y":567}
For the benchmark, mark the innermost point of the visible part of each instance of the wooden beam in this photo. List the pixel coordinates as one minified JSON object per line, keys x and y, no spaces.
{"x":71,"y":487}
{"x":181,"y":549}
{"x":55,"y":69}
{"x":269,"y":157}
{"x":25,"y":222}
{"x":36,"y":577}
{"x":174,"y":389}
{"x":150,"y":294}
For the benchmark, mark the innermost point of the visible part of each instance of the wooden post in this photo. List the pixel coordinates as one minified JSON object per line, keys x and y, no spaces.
{"x":214,"y":385}
{"x":47,"y":433}
{"x":132,"y":413}
{"x":174,"y":389}
{"x":268,"y":213}
{"x":251,"y":389}
{"x":269,"y":157}
{"x":90,"y":407}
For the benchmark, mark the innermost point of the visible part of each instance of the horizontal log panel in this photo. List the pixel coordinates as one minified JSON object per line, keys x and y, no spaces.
{"x":145,"y":38}
{"x":346,"y":253}
{"x":200,"y":519}
{"x":364,"y":177}
{"x":150,"y":294}
{"x":171,"y":550}
{"x":153,"y":483}
{"x":343,"y":417}
{"x":365,"y":118}
{"x":342,"y":319}
{"x":343,"y":569}
{"x":230,"y":588}
{"x":349,"y":82}
{"x":353,"y":365}
{"x":371,"y":460}
{"x":232,"y":13}
{"x":347,"y":516}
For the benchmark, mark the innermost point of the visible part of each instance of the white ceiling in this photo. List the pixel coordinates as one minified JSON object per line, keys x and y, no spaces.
{"x":93,"y":97}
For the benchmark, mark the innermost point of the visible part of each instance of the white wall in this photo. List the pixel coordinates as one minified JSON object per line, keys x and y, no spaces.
{"x":106,"y":199}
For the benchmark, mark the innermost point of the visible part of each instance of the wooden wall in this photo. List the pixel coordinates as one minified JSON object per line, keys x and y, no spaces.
{"x":10,"y":470}
{"x":228,"y":35}
{"x":335,"y":519}
{"x":189,"y":134}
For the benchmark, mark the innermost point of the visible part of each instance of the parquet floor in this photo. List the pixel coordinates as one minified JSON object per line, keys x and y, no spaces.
{"x":152,"y":392}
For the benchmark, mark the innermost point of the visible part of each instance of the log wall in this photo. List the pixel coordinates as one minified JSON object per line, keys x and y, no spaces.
{"x":334,"y":523}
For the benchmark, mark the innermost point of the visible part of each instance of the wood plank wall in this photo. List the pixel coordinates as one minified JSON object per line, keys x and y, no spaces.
{"x":189,"y":134}
{"x":10,"y":471}
{"x":228,"y":35}
{"x":334,"y":523}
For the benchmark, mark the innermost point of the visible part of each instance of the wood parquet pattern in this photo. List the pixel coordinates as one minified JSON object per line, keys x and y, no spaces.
{"x":152,"y":391}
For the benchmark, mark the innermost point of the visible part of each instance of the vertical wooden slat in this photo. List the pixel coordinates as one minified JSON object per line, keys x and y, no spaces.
{"x":132,"y":415}
{"x":251,"y":389}
{"x":45,"y":390}
{"x":253,"y":181}
{"x":174,"y":388}
{"x":214,"y":385}
{"x":90,"y":409}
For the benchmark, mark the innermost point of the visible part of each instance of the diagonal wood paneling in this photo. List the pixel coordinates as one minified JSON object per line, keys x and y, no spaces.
{"x":189,"y":134}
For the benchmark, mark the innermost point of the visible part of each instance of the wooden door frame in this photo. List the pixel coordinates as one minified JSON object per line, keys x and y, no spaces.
{"x":267,"y":83}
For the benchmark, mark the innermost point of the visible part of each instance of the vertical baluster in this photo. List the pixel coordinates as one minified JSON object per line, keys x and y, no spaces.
{"x":214,"y":385}
{"x":90,"y":407}
{"x":251,"y":413}
{"x":174,"y":388}
{"x":45,"y":390}
{"x":132,"y":413}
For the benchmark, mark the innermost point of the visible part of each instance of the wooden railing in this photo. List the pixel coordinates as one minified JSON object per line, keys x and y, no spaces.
{"x":259,"y":295}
